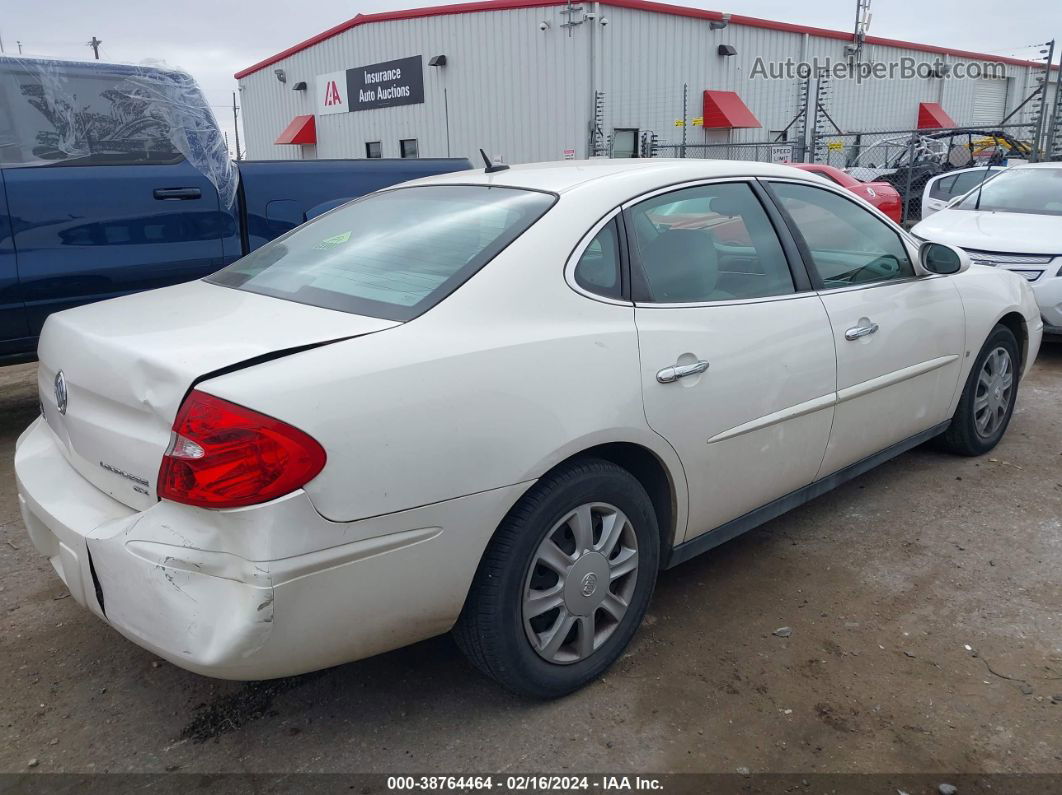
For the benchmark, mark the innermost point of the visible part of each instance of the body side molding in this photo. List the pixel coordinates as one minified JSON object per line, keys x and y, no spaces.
{"x":826,"y":401}
{"x":907,"y":373}
{"x":753,"y":519}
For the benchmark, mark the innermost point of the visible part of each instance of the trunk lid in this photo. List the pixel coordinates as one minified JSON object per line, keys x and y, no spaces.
{"x":128,"y":363}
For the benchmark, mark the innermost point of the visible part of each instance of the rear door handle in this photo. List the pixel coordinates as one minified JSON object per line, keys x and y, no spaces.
{"x":865,"y":329}
{"x":676,"y":371}
{"x":164,"y":194}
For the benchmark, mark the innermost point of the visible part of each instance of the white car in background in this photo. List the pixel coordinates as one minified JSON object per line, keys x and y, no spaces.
{"x":496,"y":402}
{"x":1013,"y":223}
{"x":950,"y":185}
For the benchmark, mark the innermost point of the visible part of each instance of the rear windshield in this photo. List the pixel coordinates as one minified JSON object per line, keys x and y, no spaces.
{"x":393,"y":254}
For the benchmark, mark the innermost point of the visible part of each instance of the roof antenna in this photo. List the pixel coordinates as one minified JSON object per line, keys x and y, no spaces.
{"x":988,"y":173}
{"x":492,"y":167}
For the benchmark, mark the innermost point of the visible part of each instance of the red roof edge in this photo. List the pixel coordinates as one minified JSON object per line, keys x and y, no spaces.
{"x":640,"y":5}
{"x":301,"y":130}
{"x":931,"y":116}
{"x":726,"y":110}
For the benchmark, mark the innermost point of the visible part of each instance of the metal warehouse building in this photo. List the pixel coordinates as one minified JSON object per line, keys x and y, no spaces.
{"x":535,"y":80}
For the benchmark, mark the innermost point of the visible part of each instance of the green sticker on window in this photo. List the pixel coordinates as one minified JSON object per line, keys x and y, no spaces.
{"x":332,"y":242}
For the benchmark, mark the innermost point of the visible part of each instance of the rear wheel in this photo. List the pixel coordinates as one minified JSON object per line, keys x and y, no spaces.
{"x":565,"y":581}
{"x":987,"y":401}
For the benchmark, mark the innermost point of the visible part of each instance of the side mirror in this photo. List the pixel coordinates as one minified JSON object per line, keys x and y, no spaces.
{"x":943,"y":259}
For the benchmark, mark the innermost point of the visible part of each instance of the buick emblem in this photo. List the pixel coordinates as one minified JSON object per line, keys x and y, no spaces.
{"x":589,"y":584}
{"x":61,"y":396}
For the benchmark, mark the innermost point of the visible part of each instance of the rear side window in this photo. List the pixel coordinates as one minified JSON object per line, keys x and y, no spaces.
{"x":393,"y":254}
{"x":944,"y":187}
{"x":598,"y":269}
{"x":60,"y":114}
{"x":968,"y":180}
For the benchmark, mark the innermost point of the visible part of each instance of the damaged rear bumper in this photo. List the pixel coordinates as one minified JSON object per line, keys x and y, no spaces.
{"x":253,"y":593}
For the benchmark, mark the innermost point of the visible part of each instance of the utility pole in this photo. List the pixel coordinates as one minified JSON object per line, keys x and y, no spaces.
{"x":19,"y":43}
{"x":236,"y":126}
{"x":95,"y":45}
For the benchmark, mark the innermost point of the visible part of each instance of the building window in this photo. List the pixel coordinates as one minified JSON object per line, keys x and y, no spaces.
{"x":624,"y":142}
{"x":408,"y":147}
{"x":373,"y":150}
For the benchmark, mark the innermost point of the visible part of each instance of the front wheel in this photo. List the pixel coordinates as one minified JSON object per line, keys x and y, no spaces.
{"x":565,"y":581}
{"x":987,"y":401}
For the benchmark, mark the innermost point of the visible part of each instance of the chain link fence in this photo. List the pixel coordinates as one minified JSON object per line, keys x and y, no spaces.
{"x":908,"y":159}
{"x":842,"y":124}
{"x":905,"y":159}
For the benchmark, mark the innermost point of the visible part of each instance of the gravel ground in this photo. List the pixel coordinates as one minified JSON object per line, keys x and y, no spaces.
{"x":922,"y":598}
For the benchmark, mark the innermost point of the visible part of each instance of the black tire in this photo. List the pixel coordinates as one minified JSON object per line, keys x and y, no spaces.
{"x":963,"y":436}
{"x":491,"y":630}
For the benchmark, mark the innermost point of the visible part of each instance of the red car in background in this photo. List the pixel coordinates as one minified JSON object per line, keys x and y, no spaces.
{"x":881,"y":194}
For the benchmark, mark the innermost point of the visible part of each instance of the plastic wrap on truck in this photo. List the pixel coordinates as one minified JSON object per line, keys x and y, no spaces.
{"x":73,"y":112}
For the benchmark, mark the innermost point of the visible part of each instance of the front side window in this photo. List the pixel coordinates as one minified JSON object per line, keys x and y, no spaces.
{"x":373,"y":150}
{"x":408,"y":147}
{"x":848,"y":245}
{"x":598,"y":269}
{"x":708,"y":243}
{"x":393,"y":254}
{"x":1019,"y":190}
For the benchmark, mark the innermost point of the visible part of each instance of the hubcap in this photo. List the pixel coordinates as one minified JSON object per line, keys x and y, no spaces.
{"x":995,"y":389}
{"x":580,"y":583}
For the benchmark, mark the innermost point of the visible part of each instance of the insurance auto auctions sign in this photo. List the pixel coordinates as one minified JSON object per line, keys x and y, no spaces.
{"x":379,"y":85}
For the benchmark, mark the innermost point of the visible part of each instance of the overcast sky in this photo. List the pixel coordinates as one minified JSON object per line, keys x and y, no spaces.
{"x":214,"y":39}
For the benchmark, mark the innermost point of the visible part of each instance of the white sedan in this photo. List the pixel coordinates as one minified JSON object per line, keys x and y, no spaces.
{"x":497,"y":403}
{"x":1014,"y":222}
{"x":949,"y":186}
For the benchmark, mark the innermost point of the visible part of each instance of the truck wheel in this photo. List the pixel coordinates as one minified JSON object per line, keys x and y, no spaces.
{"x":987,"y":401}
{"x":565,"y":581}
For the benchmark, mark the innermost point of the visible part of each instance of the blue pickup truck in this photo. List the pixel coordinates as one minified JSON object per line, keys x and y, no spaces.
{"x":116,"y":178}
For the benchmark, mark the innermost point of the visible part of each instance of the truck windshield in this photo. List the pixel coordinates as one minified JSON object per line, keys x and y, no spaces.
{"x":1019,"y":190}
{"x":393,"y":254}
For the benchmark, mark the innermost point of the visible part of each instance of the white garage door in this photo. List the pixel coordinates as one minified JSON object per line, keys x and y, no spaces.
{"x":990,"y":100}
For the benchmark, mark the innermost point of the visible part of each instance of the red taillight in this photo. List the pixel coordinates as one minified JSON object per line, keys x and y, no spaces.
{"x":227,"y":456}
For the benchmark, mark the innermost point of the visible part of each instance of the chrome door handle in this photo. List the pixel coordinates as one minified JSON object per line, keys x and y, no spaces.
{"x":856,"y":332}
{"x":670,"y":375}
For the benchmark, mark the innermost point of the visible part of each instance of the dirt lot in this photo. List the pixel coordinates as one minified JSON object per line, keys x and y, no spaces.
{"x":923,"y":600}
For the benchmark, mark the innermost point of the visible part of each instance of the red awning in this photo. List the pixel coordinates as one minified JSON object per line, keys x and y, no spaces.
{"x":932,"y":117}
{"x":725,"y":110}
{"x":302,"y":130}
